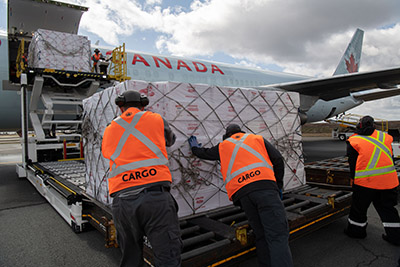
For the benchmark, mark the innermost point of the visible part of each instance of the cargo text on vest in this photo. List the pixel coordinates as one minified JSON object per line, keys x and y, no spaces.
{"x":139,"y":175}
{"x":248,"y":176}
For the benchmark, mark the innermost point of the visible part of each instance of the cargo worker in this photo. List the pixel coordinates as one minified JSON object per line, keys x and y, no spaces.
{"x":95,"y":58}
{"x":375,"y":181}
{"x":139,"y":182}
{"x":253,"y":171}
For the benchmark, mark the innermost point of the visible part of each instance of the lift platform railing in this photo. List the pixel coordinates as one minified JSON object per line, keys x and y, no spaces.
{"x":20,"y":63}
{"x":118,"y":68}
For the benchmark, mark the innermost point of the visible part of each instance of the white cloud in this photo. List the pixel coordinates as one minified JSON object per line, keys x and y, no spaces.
{"x":153,"y":2}
{"x":387,"y":109}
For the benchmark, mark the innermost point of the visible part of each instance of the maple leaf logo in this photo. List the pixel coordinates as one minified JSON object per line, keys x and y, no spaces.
{"x":351,"y":65}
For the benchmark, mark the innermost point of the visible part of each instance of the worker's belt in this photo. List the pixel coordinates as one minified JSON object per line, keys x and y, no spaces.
{"x":157,"y":188}
{"x":137,"y":191}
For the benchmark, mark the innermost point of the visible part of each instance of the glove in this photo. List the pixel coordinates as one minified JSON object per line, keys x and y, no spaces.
{"x":193,"y":142}
{"x":280,"y":194}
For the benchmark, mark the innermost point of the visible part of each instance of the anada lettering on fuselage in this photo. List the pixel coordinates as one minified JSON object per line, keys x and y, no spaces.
{"x":181,"y":64}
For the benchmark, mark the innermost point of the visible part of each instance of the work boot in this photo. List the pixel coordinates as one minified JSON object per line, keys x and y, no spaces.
{"x":391,"y":241}
{"x":359,"y":235}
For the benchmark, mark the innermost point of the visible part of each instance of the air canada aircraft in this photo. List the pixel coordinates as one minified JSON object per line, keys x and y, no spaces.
{"x":320,"y":98}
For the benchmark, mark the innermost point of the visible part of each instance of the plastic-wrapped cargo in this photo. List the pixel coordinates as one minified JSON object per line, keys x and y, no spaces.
{"x":203,"y":111}
{"x":59,"y":50}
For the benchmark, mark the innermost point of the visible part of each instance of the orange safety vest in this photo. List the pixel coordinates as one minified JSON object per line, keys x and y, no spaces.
{"x":96,"y":58}
{"x":135,"y":145}
{"x":374,"y":166}
{"x":244,"y":159}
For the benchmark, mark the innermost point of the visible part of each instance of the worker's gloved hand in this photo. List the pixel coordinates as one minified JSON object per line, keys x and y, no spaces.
{"x":193,"y":142}
{"x":280,"y":194}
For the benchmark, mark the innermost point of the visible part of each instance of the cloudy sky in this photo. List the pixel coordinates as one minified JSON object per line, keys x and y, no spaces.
{"x":298,"y":36}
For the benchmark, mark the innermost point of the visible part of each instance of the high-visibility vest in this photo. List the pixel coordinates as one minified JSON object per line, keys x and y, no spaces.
{"x":244,"y":159}
{"x":96,"y":58}
{"x":374,"y":166}
{"x":135,"y":145}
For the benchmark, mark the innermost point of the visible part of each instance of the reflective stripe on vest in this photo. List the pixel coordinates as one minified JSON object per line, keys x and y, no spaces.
{"x":131,"y":130}
{"x":240,"y":144}
{"x":380,"y":147}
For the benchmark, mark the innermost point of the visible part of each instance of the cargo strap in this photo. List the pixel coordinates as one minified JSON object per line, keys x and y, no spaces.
{"x":131,"y":130}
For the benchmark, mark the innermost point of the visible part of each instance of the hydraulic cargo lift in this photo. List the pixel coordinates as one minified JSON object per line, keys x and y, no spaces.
{"x":55,"y":113}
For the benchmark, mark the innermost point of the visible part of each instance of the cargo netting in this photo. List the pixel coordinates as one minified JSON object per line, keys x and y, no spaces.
{"x":203,"y":111}
{"x":60,"y":51}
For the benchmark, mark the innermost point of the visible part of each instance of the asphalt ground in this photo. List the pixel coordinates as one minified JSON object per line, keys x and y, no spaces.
{"x":33,"y":234}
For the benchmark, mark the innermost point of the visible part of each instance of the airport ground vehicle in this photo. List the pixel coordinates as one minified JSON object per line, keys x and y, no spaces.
{"x":346,"y":126}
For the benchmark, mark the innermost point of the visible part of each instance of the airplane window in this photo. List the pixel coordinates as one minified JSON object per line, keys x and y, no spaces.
{"x":171,"y":76}
{"x":148,"y":73}
{"x":155,"y":74}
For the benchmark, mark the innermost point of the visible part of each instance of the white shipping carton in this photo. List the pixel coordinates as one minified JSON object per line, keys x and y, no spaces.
{"x":59,"y":50}
{"x":203,"y":111}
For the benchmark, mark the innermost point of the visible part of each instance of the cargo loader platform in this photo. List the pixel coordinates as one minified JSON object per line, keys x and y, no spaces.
{"x":217,"y":238}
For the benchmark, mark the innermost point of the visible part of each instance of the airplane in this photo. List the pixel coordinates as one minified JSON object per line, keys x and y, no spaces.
{"x":320,"y":98}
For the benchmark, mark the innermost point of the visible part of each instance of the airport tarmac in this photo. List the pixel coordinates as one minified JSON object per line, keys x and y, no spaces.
{"x":33,"y":234}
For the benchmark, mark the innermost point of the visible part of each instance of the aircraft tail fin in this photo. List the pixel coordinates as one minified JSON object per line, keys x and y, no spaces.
{"x":350,"y":61}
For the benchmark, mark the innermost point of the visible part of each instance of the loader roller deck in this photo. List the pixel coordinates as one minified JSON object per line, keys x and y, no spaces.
{"x":217,"y":237}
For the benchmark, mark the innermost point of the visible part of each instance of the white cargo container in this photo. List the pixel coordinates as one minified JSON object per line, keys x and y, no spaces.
{"x":60,"y":51}
{"x":204,"y":111}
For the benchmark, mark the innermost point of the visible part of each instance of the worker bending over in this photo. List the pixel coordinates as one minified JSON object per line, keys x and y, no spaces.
{"x":139,"y":182}
{"x":375,"y":181}
{"x":253,"y":172}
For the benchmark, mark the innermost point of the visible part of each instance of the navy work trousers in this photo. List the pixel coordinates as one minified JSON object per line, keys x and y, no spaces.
{"x":152,"y":214}
{"x":267,"y":218}
{"x":384,"y":202}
